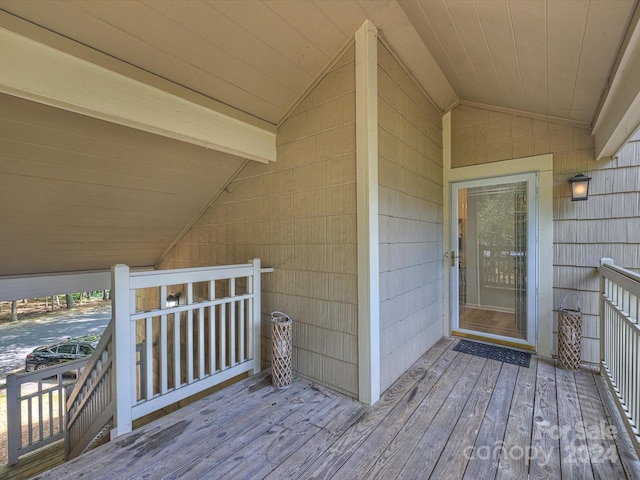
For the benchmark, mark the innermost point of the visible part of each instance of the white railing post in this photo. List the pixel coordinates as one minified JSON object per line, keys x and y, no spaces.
{"x":123,"y":358}
{"x":603,"y":261}
{"x":14,"y":419}
{"x":256,"y":311}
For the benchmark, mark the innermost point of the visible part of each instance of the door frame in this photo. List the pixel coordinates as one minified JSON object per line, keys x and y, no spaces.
{"x":543,"y":166}
{"x":531,"y":181}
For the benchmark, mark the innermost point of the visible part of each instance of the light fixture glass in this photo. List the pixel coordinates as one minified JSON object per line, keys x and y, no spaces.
{"x":172,"y":301}
{"x":579,"y":187}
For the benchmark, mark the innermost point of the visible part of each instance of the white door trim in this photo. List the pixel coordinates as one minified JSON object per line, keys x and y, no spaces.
{"x":531,"y":181}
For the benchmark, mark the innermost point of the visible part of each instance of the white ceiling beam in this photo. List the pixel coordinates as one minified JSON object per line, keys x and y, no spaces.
{"x":18,"y":287}
{"x":38,"y":72}
{"x":618,"y":117}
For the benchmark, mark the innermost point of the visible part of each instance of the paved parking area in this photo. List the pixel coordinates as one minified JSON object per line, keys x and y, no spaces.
{"x":17,"y":339}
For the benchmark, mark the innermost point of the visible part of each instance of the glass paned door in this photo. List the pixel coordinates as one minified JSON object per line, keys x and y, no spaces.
{"x":493,"y":265}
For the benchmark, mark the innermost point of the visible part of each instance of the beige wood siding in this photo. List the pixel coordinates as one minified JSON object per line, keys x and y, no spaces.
{"x":410,"y":219}
{"x":606,"y":225}
{"x":299,"y":216}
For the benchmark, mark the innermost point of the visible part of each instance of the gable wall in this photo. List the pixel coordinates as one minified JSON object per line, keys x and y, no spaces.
{"x":298,"y":215}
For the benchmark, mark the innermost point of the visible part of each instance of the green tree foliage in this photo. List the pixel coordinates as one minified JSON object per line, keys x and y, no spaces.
{"x":501,"y":215}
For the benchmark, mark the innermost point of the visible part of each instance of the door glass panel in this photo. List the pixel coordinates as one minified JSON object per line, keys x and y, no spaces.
{"x":492,"y":246}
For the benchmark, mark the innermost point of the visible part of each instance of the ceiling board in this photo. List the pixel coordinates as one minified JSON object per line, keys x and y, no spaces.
{"x":235,"y":42}
{"x":256,"y":16}
{"x":498,"y":32}
{"x":318,"y":30}
{"x":353,"y":13}
{"x":530,"y":34}
{"x":183,"y":56}
{"x":565,"y":53}
{"x":428,"y":17}
{"x":470,"y":31}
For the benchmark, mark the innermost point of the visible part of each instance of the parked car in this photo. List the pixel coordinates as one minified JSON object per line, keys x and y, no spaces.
{"x":69,"y":349}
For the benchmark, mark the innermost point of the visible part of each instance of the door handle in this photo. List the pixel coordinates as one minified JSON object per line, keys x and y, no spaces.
{"x":453,"y":258}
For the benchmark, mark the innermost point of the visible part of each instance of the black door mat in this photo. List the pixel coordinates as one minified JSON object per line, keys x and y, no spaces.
{"x":492,"y":352}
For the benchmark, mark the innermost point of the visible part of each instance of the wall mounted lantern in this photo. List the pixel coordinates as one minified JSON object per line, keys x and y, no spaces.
{"x":172,"y":300}
{"x":579,"y":187}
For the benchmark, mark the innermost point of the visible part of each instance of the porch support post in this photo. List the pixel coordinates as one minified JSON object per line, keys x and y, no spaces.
{"x":446,"y":228}
{"x":123,"y":361}
{"x":367,"y":213}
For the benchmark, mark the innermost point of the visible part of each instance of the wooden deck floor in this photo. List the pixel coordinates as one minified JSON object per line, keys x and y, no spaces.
{"x":450,"y":416}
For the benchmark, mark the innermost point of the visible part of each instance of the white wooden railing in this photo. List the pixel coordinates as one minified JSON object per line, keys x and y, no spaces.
{"x":620,"y":341}
{"x":164,"y":354}
{"x":37,"y":398}
{"x":90,"y":407}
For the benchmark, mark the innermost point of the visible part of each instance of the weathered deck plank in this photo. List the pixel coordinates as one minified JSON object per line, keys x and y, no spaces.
{"x":446,"y":374}
{"x":431,"y":423}
{"x":602,"y":449}
{"x":512,"y":466}
{"x":387,"y":431}
{"x":270,"y":460}
{"x":300,"y":460}
{"x":278,"y":433}
{"x":544,"y":454}
{"x":484,"y":456}
{"x":131,"y":449}
{"x":626,"y":451}
{"x":198,"y":444}
{"x":428,"y":448}
{"x":574,"y":460}
{"x":455,"y":455}
{"x":35,"y":463}
{"x":344,"y":447}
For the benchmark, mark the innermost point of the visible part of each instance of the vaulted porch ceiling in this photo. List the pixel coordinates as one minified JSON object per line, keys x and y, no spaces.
{"x":546,"y":57}
{"x":254,"y":60}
